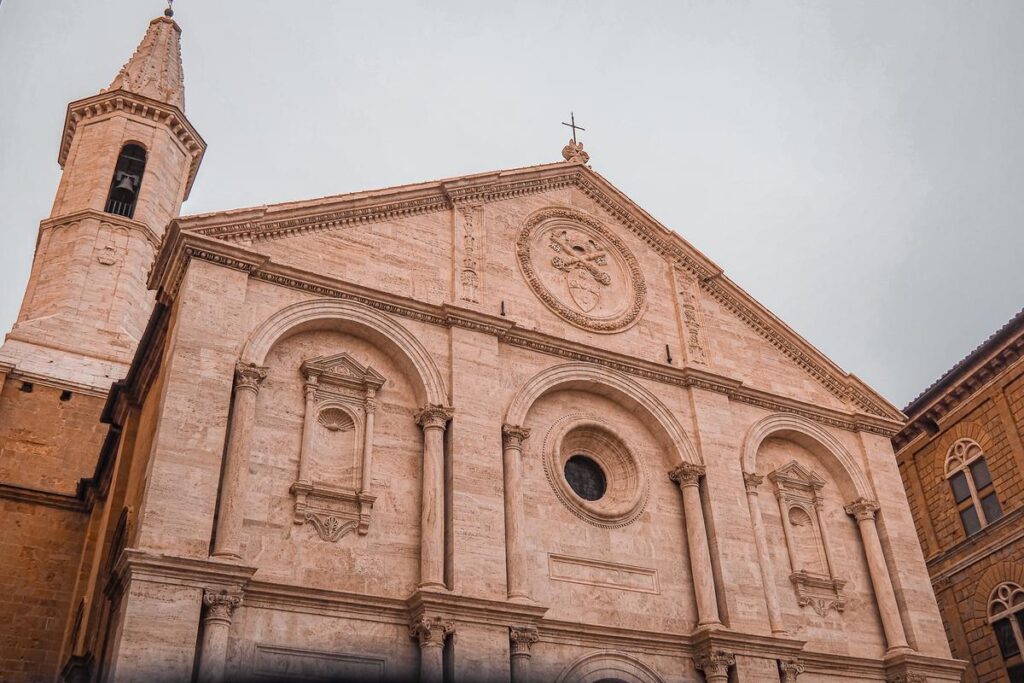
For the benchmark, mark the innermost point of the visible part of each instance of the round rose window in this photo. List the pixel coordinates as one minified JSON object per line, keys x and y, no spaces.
{"x":585,"y":477}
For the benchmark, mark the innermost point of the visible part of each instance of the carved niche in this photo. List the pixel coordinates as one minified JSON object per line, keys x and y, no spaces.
{"x":581,"y":270}
{"x":798,"y":491}
{"x":333,"y":491}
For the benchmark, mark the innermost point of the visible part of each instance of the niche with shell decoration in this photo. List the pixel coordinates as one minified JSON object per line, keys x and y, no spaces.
{"x":333,"y":492}
{"x":798,"y":491}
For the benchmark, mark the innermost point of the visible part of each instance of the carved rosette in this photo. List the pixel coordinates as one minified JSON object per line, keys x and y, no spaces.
{"x":751,"y":481}
{"x":862,"y":509}
{"x":221,"y":605}
{"x":249,"y":376}
{"x":687,"y":474}
{"x":790,"y":669}
{"x":521,"y":639}
{"x":430,"y":631}
{"x":434,"y":417}
{"x":715,"y":664}
{"x":513,"y":436}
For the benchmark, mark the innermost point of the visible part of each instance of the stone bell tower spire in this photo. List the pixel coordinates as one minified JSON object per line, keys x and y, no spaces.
{"x":129,"y":157}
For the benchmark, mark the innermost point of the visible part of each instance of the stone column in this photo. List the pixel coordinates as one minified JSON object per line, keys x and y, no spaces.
{"x":521,"y":639}
{"x":825,"y":537}
{"x":863,"y":511}
{"x":430,"y":632}
{"x":771,"y":595}
{"x":790,"y":669}
{"x":308,"y":429}
{"x":715,"y":665}
{"x":688,"y":477}
{"x":433,"y":420}
{"x":369,"y":407}
{"x":228,"y":543}
{"x":213,"y":651}
{"x":787,"y":531}
{"x":515,"y":544}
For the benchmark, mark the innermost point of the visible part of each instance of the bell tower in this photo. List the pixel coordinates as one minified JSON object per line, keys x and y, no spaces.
{"x":129,"y":158}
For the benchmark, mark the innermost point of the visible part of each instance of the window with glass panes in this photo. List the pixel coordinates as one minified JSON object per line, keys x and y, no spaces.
{"x":1006,"y":615}
{"x":971,"y":484}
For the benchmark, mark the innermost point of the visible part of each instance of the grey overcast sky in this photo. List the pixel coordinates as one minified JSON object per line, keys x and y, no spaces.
{"x":856,"y":166}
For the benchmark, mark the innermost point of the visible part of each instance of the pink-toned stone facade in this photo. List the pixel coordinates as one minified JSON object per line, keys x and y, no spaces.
{"x":340,"y":447}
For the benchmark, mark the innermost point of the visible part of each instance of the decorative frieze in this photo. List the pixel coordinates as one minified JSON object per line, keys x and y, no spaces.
{"x":470,"y":235}
{"x":694,"y":330}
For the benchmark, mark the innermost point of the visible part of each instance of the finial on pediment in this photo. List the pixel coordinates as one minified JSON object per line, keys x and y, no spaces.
{"x":169,"y":12}
{"x":573,"y":150}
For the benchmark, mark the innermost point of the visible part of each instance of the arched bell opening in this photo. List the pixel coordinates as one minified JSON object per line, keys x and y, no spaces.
{"x":127,"y":180}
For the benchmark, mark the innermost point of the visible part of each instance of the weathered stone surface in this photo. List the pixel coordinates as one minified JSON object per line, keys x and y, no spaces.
{"x":341,"y":448}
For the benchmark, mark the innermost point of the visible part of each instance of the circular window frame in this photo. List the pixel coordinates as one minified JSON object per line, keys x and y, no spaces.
{"x":577,"y":220}
{"x":627,"y":484}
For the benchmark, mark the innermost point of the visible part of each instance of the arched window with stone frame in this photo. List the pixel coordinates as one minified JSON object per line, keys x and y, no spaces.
{"x":971,"y":485}
{"x":1006,"y":616}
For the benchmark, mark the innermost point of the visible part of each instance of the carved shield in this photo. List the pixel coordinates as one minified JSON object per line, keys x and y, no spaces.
{"x":583,"y":289}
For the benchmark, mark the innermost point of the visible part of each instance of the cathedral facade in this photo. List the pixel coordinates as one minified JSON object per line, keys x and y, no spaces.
{"x":499,"y":427}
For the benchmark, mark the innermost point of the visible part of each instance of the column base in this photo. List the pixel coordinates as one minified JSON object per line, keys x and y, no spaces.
{"x":432,"y":586}
{"x":226,"y":555}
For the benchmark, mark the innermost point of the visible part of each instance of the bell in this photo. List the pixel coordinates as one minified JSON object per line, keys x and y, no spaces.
{"x":125,"y":183}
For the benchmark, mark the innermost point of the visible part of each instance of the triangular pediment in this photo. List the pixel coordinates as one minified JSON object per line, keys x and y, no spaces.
{"x":404,"y":203}
{"x":342,"y":369}
{"x":795,"y":475}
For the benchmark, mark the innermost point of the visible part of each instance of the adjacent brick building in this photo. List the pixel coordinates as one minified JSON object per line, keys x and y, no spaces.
{"x":961,"y":457}
{"x":504,"y":426}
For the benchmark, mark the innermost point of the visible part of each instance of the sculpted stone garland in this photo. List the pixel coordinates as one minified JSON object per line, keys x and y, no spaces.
{"x":581,"y":265}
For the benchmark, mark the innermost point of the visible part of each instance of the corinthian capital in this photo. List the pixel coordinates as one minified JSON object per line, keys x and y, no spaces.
{"x":522,"y":639}
{"x":715,"y":663}
{"x":862,"y":509}
{"x":249,"y":376}
{"x":430,"y":631}
{"x":751,"y":481}
{"x":790,"y":669}
{"x":514,"y":435}
{"x":434,"y":416}
{"x":687,"y":474}
{"x":221,"y":605}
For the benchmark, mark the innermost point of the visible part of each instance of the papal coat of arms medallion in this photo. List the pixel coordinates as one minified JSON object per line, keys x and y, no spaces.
{"x":581,"y":270}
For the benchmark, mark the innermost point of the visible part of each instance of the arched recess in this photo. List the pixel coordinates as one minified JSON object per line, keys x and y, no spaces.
{"x":599,"y":380}
{"x":348,"y":316}
{"x":608,"y":665}
{"x":833,"y":455}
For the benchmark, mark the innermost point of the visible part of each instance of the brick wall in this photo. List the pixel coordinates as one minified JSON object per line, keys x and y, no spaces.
{"x":39,"y":553}
{"x":965,"y":570}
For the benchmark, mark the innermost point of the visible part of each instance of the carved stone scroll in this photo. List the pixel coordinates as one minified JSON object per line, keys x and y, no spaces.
{"x":694,"y":330}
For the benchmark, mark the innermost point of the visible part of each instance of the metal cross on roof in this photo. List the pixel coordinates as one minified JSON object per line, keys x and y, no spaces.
{"x":572,"y":117}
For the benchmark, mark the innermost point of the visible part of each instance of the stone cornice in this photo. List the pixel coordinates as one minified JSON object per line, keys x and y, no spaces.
{"x":299,"y":217}
{"x":14,"y":373}
{"x":942,"y":406}
{"x":138,"y":565}
{"x":60,"y":501}
{"x":473,"y":610}
{"x":58,"y":221}
{"x":122,"y":101}
{"x":182,"y":246}
{"x":982,"y":545}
